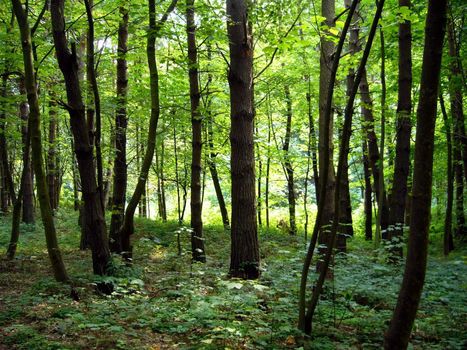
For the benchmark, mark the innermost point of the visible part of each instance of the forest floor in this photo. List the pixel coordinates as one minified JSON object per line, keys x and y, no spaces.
{"x":164,"y":302}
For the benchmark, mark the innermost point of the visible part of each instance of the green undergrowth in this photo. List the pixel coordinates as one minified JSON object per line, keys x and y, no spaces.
{"x":163,"y":301}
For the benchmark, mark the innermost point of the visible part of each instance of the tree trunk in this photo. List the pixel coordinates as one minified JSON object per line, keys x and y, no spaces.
{"x":94,"y":221}
{"x":288,"y":164}
{"x":197,"y":242}
{"x":456,"y":101}
{"x":244,"y":257}
{"x":28,"y":186}
{"x":367,"y":194}
{"x":127,"y":228}
{"x":52,"y":166}
{"x":403,"y":131}
{"x":326,"y":147}
{"x":373,"y":151}
{"x":6,"y":180}
{"x":448,"y":243}
{"x":121,"y":122}
{"x":397,"y":336}
{"x":34,"y":127}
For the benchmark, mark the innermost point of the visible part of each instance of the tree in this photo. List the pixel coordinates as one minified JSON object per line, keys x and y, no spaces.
{"x":197,"y":242}
{"x":244,"y":253}
{"x":120,"y":164}
{"x":94,"y":221}
{"x":34,"y":128}
{"x":397,"y":336}
{"x":403,"y":131}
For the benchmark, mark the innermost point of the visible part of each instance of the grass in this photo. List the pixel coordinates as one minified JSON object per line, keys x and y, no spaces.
{"x":165,"y":302}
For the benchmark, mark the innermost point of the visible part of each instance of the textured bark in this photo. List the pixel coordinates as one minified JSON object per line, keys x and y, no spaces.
{"x":127,"y":228}
{"x":288,"y":164}
{"x":403,"y":131}
{"x":197,"y":242}
{"x":397,"y":336}
{"x":34,"y":127}
{"x":326,"y":147}
{"x":94,"y":222}
{"x":448,"y":242}
{"x":120,"y":166}
{"x":244,"y":256}
{"x":28,"y":186}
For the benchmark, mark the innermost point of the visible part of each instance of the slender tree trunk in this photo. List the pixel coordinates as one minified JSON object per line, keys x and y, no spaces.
{"x":94,"y":221}
{"x":403,"y":131}
{"x":127,"y":228}
{"x":456,"y":101}
{"x":367,"y":195}
{"x":260,"y":174}
{"x":326,"y":147}
{"x":288,"y":163}
{"x":52,"y":166}
{"x":197,"y":242}
{"x":34,"y":127}
{"x":397,"y":336}
{"x":268,"y":165}
{"x":244,"y":257}
{"x":448,"y":243}
{"x":373,"y":151}
{"x":7,"y":180}
{"x":28,"y":186}
{"x":120,"y":166}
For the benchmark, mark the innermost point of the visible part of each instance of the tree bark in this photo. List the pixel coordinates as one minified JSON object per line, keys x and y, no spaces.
{"x":127,"y":228}
{"x":34,"y":127}
{"x":288,"y":164}
{"x":367,"y":207}
{"x":52,"y":166}
{"x":197,"y":242}
{"x":28,"y":186}
{"x":448,"y":243}
{"x":397,"y":336}
{"x":94,"y":221}
{"x":403,"y":131}
{"x":121,"y":122}
{"x":244,"y":257}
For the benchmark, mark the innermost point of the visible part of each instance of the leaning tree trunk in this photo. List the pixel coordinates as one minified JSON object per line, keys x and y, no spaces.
{"x":34,"y":128}
{"x":120,"y":165}
{"x":128,"y":228}
{"x":403,"y":131}
{"x":244,"y":256}
{"x":397,"y":336}
{"x":94,"y":221}
{"x":288,"y":164}
{"x":197,"y":243}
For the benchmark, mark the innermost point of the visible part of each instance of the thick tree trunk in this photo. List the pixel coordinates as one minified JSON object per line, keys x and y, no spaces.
{"x":397,"y":336}
{"x":120,"y":165}
{"x":288,"y":164}
{"x":403,"y":131}
{"x":28,"y":186}
{"x":94,"y":221}
{"x":244,"y":257}
{"x":34,"y":127}
{"x":197,"y":242}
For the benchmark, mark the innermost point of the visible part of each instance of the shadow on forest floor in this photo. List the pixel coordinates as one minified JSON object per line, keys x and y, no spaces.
{"x":165,"y":302}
